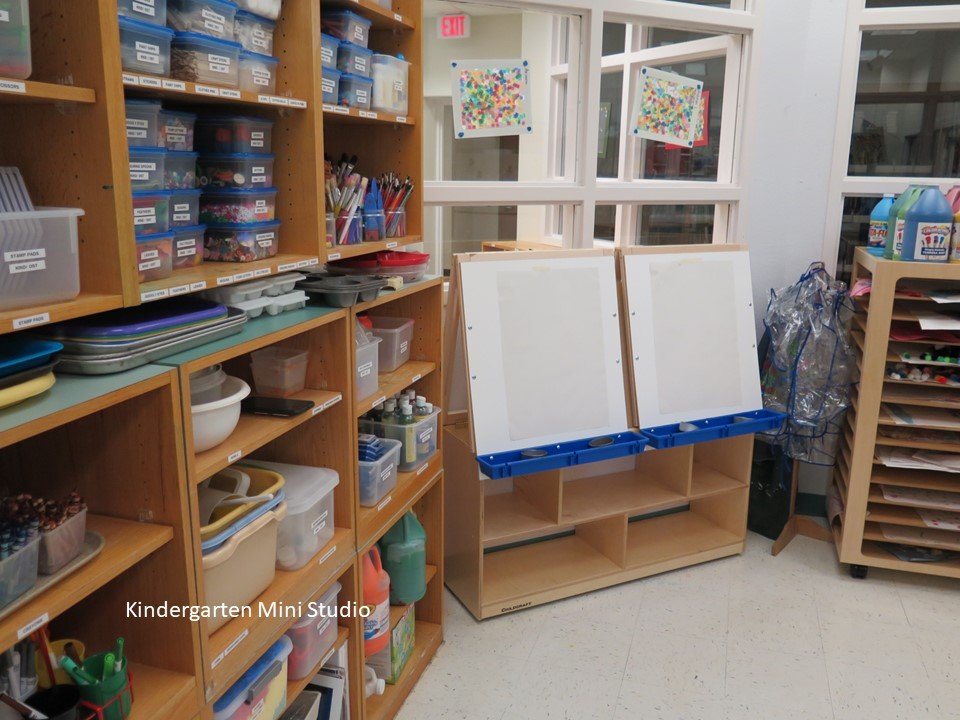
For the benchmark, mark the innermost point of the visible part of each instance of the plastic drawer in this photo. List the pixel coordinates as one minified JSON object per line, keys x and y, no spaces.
{"x":148,"y":11}
{"x":154,"y":256}
{"x":201,"y":59}
{"x":18,"y":572}
{"x":258,"y":73}
{"x":346,"y":25}
{"x":329,"y":46}
{"x":147,"y":167}
{"x":151,"y":211}
{"x":352,"y":58}
{"x":378,"y":477}
{"x":39,"y":257}
{"x":144,"y":48}
{"x":355,"y":91}
{"x":184,"y":208}
{"x":330,"y":84}
{"x":254,"y":33}
{"x":206,"y":17}
{"x":176,"y":129}
{"x":180,"y":170}
{"x":241,"y":242}
{"x":142,"y":123}
{"x":313,"y":634}
{"x":188,"y":246}
{"x":368,"y":368}
{"x":234,"y":135}
{"x":236,"y":170}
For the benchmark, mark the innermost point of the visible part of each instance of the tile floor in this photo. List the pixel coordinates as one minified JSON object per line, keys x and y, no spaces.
{"x":746,"y":638}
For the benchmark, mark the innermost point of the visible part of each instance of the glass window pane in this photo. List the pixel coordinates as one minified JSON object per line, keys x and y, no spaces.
{"x":614,"y":38}
{"x":605,"y":223}
{"x":907,"y":115}
{"x":674,"y":224}
{"x":608,"y":148}
{"x":672,"y":162}
{"x":658,"y":37}
{"x":854,"y":232}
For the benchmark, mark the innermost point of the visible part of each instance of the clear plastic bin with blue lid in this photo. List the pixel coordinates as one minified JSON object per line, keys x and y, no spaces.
{"x":254,"y":32}
{"x":184,"y":207}
{"x":347,"y":25}
{"x":234,"y":134}
{"x":265,"y":8}
{"x":329,"y":47}
{"x":207,"y":17}
{"x":15,"y":58}
{"x":203,"y":59}
{"x":263,"y":686}
{"x":258,"y":72}
{"x":151,"y":211}
{"x":153,"y":12}
{"x":144,"y":48}
{"x":188,"y":246}
{"x":175,"y":129}
{"x":242,"y":242}
{"x":355,"y":91}
{"x":142,"y":122}
{"x":353,"y":58}
{"x":147,"y":168}
{"x":242,"y":170}
{"x":330,"y":84}
{"x":180,"y":170}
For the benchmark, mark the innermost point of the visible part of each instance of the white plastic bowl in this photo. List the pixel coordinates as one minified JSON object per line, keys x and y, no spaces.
{"x":214,"y":421}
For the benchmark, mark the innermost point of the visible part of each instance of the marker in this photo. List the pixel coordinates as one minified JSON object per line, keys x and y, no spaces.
{"x":118,"y":665}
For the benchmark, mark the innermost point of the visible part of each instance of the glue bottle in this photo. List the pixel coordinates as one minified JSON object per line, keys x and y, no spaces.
{"x":877,"y":238}
{"x":929,"y":223}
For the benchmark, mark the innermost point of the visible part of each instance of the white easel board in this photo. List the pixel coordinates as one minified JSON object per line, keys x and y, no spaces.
{"x":543,"y":348}
{"x":692,"y":333}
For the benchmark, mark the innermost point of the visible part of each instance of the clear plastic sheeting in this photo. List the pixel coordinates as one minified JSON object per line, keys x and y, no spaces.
{"x":809,"y":367}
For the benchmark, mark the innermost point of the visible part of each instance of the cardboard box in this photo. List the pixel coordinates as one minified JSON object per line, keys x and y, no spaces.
{"x":389,"y":662}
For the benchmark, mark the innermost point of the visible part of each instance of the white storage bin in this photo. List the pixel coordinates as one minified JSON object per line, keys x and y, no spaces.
{"x":61,"y":545}
{"x":309,"y":524}
{"x":283,"y":284}
{"x":313,"y":634}
{"x":378,"y":477}
{"x":368,"y":368}
{"x":237,"y":571}
{"x":391,"y":83}
{"x":253,"y":32}
{"x":258,"y":72}
{"x":418,"y":440}
{"x":397,"y":336}
{"x":39,"y":257}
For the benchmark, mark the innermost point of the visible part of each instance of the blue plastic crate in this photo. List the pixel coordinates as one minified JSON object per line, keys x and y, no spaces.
{"x":715,"y":428}
{"x":575,"y":452}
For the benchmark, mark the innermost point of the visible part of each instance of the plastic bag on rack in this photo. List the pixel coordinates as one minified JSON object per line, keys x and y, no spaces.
{"x":810,"y":366}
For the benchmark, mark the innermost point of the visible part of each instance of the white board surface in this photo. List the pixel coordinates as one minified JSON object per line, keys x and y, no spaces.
{"x":543,"y":350}
{"x":693,"y":336}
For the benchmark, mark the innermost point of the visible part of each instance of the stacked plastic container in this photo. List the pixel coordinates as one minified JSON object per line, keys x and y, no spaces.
{"x":239,"y":202}
{"x":346,"y":59}
{"x":15,"y":58}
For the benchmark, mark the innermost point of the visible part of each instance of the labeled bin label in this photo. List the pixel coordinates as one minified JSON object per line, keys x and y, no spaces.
{"x":136,"y":134}
{"x":12,"y":86}
{"x":259,"y":41}
{"x":181,"y":207}
{"x":149,"y":254}
{"x":181,"y":217}
{"x":149,"y":265}
{"x":218,"y":63}
{"x":4,"y":16}
{"x":187,"y":252}
{"x":24,"y":267}
{"x":147,"y":52}
{"x":358,"y":34}
{"x":214,"y":26}
{"x":268,"y":236}
{"x":19,"y":324}
{"x":363,"y":97}
{"x":145,"y":7}
{"x":360,"y":63}
{"x":20,"y":255}
{"x":328,"y":85}
{"x":326,"y":54}
{"x":365,"y":369}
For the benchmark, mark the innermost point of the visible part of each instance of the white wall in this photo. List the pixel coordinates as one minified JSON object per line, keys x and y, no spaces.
{"x":789,"y":146}
{"x":491,"y":36}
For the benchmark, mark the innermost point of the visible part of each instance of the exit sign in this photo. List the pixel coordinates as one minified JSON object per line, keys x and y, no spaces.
{"x":453,"y":26}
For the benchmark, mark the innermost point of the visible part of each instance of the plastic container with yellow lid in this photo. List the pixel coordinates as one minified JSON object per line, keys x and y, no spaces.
{"x":217,"y":496}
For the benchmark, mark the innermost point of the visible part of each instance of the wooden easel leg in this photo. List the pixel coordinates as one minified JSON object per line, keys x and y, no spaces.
{"x":797,"y":524}
{"x":788,"y":533}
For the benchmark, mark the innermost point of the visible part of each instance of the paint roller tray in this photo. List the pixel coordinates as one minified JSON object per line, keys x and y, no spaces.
{"x":715,"y":428}
{"x":553,"y":457}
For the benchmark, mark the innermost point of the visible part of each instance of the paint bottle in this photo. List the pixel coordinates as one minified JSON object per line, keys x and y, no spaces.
{"x":897,"y":220}
{"x":877,"y":237}
{"x":389,"y":412}
{"x":376,"y":595}
{"x":929,"y":223}
{"x":404,"y":549}
{"x":953,"y":197}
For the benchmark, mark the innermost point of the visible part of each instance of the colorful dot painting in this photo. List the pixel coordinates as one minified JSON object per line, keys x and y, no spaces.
{"x":493,"y":98}
{"x":668,"y":107}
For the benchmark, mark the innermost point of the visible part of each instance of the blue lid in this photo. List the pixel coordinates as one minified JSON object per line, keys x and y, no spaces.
{"x":127,"y":23}
{"x":186,"y":191}
{"x":330,"y":39}
{"x":241,"y":191}
{"x":278,"y":651}
{"x":212,"y":120}
{"x":353,"y":47}
{"x":351,"y":16}
{"x":332,"y":72}
{"x":153,"y":237}
{"x":260,"y":510}
{"x":189,"y":229}
{"x":151,"y":193}
{"x":147,"y":151}
{"x":258,"y":18}
{"x":355,"y":78}
{"x":224,"y":4}
{"x":239,"y":156}
{"x":141,"y":103}
{"x":198,"y":39}
{"x":250,"y":55}
{"x":178,"y":113}
{"x":182,"y":153}
{"x":264,"y":225}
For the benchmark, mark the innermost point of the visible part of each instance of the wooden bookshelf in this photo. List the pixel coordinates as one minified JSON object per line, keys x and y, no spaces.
{"x":33,"y":92}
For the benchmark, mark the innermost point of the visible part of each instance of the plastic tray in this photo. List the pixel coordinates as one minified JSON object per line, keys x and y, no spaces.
{"x":18,"y":353}
{"x":114,"y":347}
{"x":561,"y":455}
{"x":341,"y":288}
{"x":26,"y":390}
{"x":131,"y":323}
{"x":715,"y":428}
{"x":18,"y":378}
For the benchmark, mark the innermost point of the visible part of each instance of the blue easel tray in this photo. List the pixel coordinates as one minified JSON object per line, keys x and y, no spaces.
{"x":715,"y":428}
{"x":553,"y":457}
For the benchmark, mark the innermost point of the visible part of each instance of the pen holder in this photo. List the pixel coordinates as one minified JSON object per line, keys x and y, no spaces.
{"x":60,"y":676}
{"x":108,"y":699}
{"x":396,"y":223}
{"x":331,"y":232}
{"x":373,"y":226}
{"x":354,"y":234}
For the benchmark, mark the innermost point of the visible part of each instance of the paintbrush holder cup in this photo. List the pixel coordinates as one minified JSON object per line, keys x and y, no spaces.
{"x":396,"y":221}
{"x":374,"y":226}
{"x":354,"y":235}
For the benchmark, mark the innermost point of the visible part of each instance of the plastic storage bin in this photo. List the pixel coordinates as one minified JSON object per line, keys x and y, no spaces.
{"x":313,"y":634}
{"x":207,"y":17}
{"x":346,"y":25}
{"x":148,"y":11}
{"x":188,"y":246}
{"x":176,"y":129}
{"x":309,"y":524}
{"x":391,"y":83}
{"x":279,"y":371}
{"x":329,"y":46}
{"x":352,"y":58}
{"x":397,"y":335}
{"x":180,"y":170}
{"x":242,"y":567}
{"x":146,"y":168}
{"x":15,"y":58}
{"x":253,"y":32}
{"x":355,"y":91}
{"x":184,"y":207}
{"x":142,"y":123}
{"x":258,"y":73}
{"x":378,"y":477}
{"x":39,"y":257}
{"x":243,"y":242}
{"x":234,"y":135}
{"x":62,"y":544}
{"x":234,"y":482}
{"x":151,"y":211}
{"x":368,"y":367}
{"x":330,"y":84}
{"x":261,"y":693}
{"x":267,"y":8}
{"x":240,"y":170}
{"x":154,"y":256}
{"x":419,"y":440}
{"x":237,"y":205}
{"x":144,"y":48}
{"x":201,"y":59}
{"x":18,"y":572}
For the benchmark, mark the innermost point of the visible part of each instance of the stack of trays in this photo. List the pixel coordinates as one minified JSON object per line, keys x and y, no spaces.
{"x":26,"y":368}
{"x":123,"y":339}
{"x":342,"y":290}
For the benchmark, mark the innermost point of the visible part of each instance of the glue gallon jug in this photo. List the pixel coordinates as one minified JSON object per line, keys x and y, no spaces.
{"x":877,"y":238}
{"x":404,"y":549}
{"x":897,"y":220}
{"x":926,"y":233}
{"x":376,"y":595}
{"x":953,"y":197}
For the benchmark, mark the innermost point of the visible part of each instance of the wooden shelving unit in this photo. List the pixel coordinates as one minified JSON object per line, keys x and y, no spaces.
{"x":859,"y":475}
{"x":29,"y":91}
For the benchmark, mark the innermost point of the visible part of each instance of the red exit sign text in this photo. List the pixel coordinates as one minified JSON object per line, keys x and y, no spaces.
{"x":454,"y":26}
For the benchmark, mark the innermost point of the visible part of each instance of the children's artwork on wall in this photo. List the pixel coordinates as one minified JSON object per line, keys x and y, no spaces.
{"x":490,"y":98}
{"x":702,"y":136}
{"x":667,"y":107}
